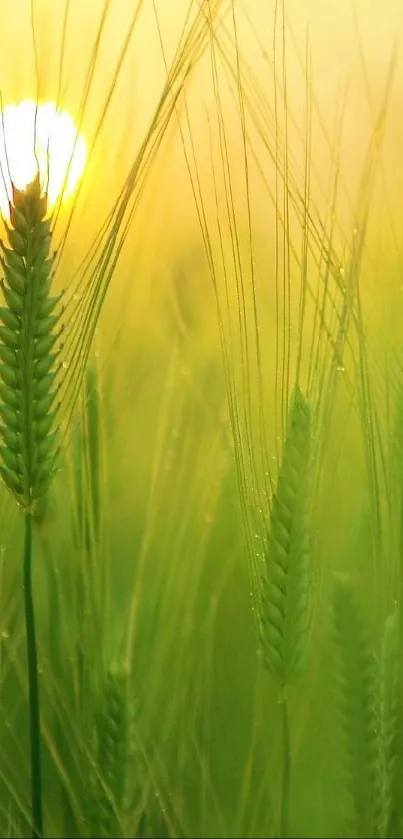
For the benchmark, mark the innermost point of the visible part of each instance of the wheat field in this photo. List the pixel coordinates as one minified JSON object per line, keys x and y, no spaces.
{"x":201,"y":419}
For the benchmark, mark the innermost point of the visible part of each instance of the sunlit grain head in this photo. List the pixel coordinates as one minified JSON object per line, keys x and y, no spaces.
{"x":39,"y":137}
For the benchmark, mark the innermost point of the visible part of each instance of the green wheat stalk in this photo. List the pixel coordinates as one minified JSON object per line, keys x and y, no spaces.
{"x":284,"y":609}
{"x":29,"y":366}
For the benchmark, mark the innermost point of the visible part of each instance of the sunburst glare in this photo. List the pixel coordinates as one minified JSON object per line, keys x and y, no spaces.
{"x":39,"y":137}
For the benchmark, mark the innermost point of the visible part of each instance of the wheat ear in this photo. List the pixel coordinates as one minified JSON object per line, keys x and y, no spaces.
{"x":284,"y":611}
{"x":391,"y":729}
{"x":28,"y":359}
{"x":113,"y":740}
{"x":28,"y":369}
{"x":284,"y":605}
{"x":356,"y":684}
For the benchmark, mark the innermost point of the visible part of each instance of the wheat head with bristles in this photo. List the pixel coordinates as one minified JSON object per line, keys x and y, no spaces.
{"x":29,"y":366}
{"x":355,"y":678}
{"x":284,"y":602}
{"x":391,"y":728}
{"x":284,"y":612}
{"x":113,"y":749}
{"x":29,"y":354}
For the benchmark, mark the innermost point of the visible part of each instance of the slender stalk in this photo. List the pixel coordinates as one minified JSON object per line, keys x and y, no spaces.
{"x":33,"y":689}
{"x":285,"y":788}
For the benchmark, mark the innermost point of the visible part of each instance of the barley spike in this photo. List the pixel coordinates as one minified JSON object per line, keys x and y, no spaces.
{"x":284,"y":605}
{"x":356,"y":686}
{"x":29,"y":350}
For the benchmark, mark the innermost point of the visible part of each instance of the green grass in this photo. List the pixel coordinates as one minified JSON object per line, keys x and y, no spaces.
{"x":217,"y":568}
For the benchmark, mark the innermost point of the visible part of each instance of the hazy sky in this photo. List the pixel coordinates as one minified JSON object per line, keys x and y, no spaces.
{"x":330,"y":26}
{"x":334,"y":30}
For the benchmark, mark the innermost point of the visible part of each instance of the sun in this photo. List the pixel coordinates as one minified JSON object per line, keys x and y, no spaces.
{"x":39,"y":138}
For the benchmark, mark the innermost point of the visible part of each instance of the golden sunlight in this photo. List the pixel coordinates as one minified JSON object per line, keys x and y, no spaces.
{"x":39,"y":137}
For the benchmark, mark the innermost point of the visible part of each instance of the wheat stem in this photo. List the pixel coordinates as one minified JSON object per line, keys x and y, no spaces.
{"x":33,"y":689}
{"x":29,"y":367}
{"x":284,"y":607}
{"x":286,"y":779}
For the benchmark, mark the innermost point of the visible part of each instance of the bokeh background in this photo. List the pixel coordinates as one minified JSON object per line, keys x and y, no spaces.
{"x":167,"y":590}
